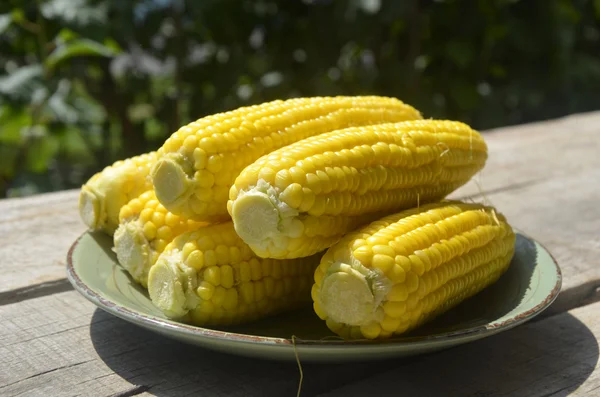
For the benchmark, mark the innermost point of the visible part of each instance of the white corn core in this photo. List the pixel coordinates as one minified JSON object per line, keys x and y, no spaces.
{"x":133,"y":250}
{"x":90,"y":208}
{"x":263,"y":221}
{"x":172,"y":285}
{"x":352,"y":294}
{"x":172,"y":184}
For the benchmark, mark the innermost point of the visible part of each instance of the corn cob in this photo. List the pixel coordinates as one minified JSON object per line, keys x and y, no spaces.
{"x":103,"y":195}
{"x":300,"y":199}
{"x":210,"y":277}
{"x":403,"y":270}
{"x":145,"y":229}
{"x":202,"y":159}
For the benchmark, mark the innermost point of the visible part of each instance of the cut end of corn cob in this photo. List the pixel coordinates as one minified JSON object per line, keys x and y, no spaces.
{"x":133,"y":250}
{"x":173,"y":185}
{"x":403,"y":270}
{"x":261,"y":219}
{"x":90,"y":208}
{"x":169,"y":288}
{"x":256,"y":215}
{"x":352,"y":282}
{"x":103,"y":195}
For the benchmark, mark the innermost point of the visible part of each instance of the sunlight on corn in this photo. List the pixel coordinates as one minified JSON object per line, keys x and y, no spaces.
{"x":202,"y":159}
{"x":300,"y":199}
{"x":404,"y":269}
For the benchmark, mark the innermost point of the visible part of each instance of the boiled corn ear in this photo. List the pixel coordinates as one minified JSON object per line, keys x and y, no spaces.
{"x":404,"y":269}
{"x":302,"y":198}
{"x":210,"y":277}
{"x":145,"y":229}
{"x":202,"y":159}
{"x":103,"y":195}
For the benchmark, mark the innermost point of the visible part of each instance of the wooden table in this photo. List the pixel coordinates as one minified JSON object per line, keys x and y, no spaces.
{"x":545,"y":177}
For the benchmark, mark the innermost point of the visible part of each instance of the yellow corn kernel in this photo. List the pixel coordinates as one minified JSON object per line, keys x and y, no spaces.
{"x":188,"y":248}
{"x":231,"y":299}
{"x":370,"y":331}
{"x":247,"y":291}
{"x":149,"y":231}
{"x":212,"y":274}
{"x":210,"y":258}
{"x":195,"y":260}
{"x":218,"y":296}
{"x":206,"y":290}
{"x":226,"y":276}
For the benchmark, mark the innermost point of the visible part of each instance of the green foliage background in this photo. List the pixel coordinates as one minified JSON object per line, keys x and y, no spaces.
{"x":86,"y":82}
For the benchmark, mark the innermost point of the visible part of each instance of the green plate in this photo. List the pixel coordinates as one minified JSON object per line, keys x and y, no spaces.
{"x":529,"y":286}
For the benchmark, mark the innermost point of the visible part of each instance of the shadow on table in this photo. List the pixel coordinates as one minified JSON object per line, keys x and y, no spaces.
{"x":553,"y":356}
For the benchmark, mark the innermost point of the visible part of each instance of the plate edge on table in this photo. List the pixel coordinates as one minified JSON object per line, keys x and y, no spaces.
{"x":150,"y":321}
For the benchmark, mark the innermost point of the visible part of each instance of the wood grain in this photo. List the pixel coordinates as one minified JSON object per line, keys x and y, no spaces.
{"x":60,"y":345}
{"x":530,"y":153}
{"x":36,"y":234}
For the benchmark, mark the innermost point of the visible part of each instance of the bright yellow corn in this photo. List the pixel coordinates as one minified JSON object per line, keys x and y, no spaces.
{"x":300,"y":199}
{"x":203,"y":158}
{"x":210,"y":277}
{"x":103,"y":195}
{"x":401,"y":271}
{"x":144,"y":231}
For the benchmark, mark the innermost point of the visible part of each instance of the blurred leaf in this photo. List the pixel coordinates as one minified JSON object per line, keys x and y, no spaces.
{"x":78,"y":48}
{"x":5,"y":21}
{"x":464,"y":94}
{"x":140,"y":112}
{"x":89,"y":110}
{"x":20,"y":81}
{"x":66,"y":35}
{"x":568,"y":11}
{"x":73,"y":146}
{"x":112,"y":45}
{"x":460,"y":52}
{"x":497,"y":71}
{"x":12,"y":121}
{"x":154,"y":130}
{"x":39,"y":153}
{"x":8,"y":155}
{"x":18,"y":15}
{"x":78,"y":12}
{"x":63,"y":111}
{"x":597,"y":8}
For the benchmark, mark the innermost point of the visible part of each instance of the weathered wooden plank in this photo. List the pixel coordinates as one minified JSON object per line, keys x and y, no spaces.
{"x":36,"y":235}
{"x":60,"y":345}
{"x":553,"y":357}
{"x":530,"y":153}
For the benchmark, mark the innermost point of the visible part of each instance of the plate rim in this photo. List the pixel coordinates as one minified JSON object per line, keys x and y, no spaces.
{"x":150,"y":321}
